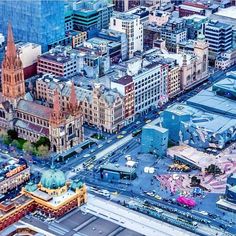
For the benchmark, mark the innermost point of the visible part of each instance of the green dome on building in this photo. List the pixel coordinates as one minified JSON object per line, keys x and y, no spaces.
{"x":53,"y":179}
{"x":31,"y":187}
{"x":76,"y":184}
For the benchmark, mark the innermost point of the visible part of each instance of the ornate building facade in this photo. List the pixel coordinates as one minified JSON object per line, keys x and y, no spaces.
{"x":13,"y":85}
{"x":30,"y":119}
{"x":53,"y":196}
{"x":100,"y":106}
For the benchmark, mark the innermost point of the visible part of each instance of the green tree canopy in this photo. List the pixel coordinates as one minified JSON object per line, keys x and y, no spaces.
{"x":15,"y":143}
{"x":28,"y":147}
{"x":43,"y":150}
{"x":12,"y":134}
{"x":43,"y":141}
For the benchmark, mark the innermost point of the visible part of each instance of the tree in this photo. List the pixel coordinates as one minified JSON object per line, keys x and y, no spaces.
{"x":15,"y":143}
{"x":43,"y":141}
{"x":12,"y":134}
{"x":28,"y":147}
{"x":6,"y":139}
{"x":43,"y":150}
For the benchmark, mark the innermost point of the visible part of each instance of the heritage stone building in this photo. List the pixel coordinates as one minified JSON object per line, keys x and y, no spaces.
{"x":100,"y":106}
{"x":30,"y":119}
{"x":53,"y":196}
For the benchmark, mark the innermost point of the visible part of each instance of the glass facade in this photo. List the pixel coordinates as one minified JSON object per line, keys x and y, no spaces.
{"x":37,"y":21}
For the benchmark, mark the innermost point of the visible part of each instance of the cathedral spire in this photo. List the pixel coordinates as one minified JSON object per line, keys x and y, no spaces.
{"x":73,"y":103}
{"x":57,"y":114}
{"x":56,"y":104}
{"x":13,"y":84}
{"x":11,"y":48}
{"x":73,"y":106}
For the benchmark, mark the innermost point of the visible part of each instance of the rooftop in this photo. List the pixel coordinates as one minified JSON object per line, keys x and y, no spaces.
{"x":11,"y":166}
{"x":32,"y":127}
{"x":191,"y":155}
{"x":101,"y":42}
{"x":195,"y":17}
{"x":178,"y":57}
{"x":212,"y":122}
{"x":78,"y":223}
{"x":217,"y":24}
{"x":125,"y":80}
{"x":59,"y":54}
{"x":227,"y":12}
{"x":14,"y":203}
{"x":35,"y":109}
{"x":208,"y":100}
{"x":155,"y":127}
{"x":117,"y":167}
{"x":125,"y":16}
{"x":192,"y":8}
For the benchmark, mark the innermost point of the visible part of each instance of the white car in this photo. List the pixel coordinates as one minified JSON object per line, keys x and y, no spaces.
{"x":100,"y":145}
{"x":86,"y":155}
{"x":204,"y":213}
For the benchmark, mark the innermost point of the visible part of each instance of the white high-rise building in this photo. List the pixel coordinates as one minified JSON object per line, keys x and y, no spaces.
{"x":130,"y":25}
{"x":2,"y":39}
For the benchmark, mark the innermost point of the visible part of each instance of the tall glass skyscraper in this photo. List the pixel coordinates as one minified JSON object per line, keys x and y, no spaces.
{"x":37,"y":21}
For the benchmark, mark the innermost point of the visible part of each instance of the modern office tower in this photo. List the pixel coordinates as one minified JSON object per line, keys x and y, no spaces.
{"x":130,"y":25}
{"x":174,"y":32}
{"x":40,"y":21}
{"x":116,"y":36}
{"x":125,"y":5}
{"x":89,"y":16}
{"x":219,"y":36}
{"x":195,"y":25}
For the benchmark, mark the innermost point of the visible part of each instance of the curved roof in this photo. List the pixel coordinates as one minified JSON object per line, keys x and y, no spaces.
{"x":53,"y":179}
{"x":31,"y":187}
{"x":76,"y":184}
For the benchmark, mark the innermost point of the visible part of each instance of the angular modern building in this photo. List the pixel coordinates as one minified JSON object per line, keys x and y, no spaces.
{"x":229,"y":200}
{"x":40,"y":21}
{"x":154,"y":140}
{"x":208,"y":120}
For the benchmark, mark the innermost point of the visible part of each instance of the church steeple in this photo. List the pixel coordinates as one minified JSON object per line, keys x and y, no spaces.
{"x":11,"y":48}
{"x":57,"y":116}
{"x":73,"y":102}
{"x":13,"y":84}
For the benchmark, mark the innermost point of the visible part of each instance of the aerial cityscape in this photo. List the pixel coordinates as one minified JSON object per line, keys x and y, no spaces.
{"x":117,"y":117}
